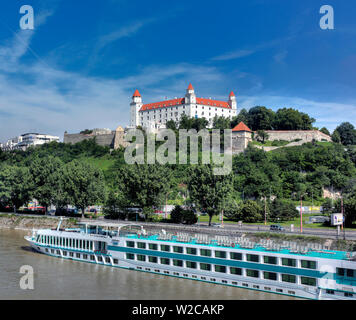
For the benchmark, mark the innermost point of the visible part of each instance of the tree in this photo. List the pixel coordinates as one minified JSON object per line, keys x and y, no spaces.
{"x":263,"y":135}
{"x":84,"y":184}
{"x":336,"y":137}
{"x":145,"y":186}
{"x":347,"y":133}
{"x":251,"y":211}
{"x":291,"y":119}
{"x":260,"y":118}
{"x":185,"y":216}
{"x":243,"y":116}
{"x":15,"y":186}
{"x":43,"y":175}
{"x":325,"y":130}
{"x":282,"y":209}
{"x":208,"y":191}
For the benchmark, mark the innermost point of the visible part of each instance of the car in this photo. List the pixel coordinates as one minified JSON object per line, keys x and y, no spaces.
{"x":276,"y":227}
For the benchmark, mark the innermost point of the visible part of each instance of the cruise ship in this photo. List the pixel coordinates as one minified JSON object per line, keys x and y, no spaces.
{"x":310,"y":271}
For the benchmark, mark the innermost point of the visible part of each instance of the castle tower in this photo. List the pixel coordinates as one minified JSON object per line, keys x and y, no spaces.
{"x":232,"y":101}
{"x":190,"y":97}
{"x":241,"y":136}
{"x":135,"y":107}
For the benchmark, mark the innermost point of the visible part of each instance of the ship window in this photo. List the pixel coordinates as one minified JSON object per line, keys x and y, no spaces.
{"x":308,"y":281}
{"x":65,"y":253}
{"x":191,"y":264}
{"x":153,"y":246}
{"x":85,"y":256}
{"x":308,"y":264}
{"x":205,"y":252}
{"x":92,"y":257}
{"x":237,"y":271}
{"x":130,"y":244}
{"x":152,"y":259}
{"x":236,"y":255}
{"x":178,"y":249}
{"x":270,"y":260}
{"x":220,"y":254}
{"x":178,"y":263}
{"x":289,"y":278}
{"x":289,"y":262}
{"x":165,"y":248}
{"x":221,"y":269}
{"x":253,"y":257}
{"x":165,"y":261}
{"x":191,"y":251}
{"x":141,"y":257}
{"x":130,"y":256}
{"x":330,"y":291}
{"x":141,"y":245}
{"x":116,"y":261}
{"x":205,"y":266}
{"x":77,"y":255}
{"x":252,"y":273}
{"x":270,"y":275}
{"x":348,"y":294}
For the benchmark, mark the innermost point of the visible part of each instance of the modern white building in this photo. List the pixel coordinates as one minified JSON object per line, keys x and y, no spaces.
{"x":27,"y":140}
{"x":155,"y":115}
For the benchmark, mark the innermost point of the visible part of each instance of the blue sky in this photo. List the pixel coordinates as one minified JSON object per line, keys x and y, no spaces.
{"x":81,"y":64}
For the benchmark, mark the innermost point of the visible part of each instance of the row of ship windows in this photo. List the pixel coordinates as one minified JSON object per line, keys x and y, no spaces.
{"x":235,"y":283}
{"x":308,"y":264}
{"x":222,"y":269}
{"x":65,"y":242}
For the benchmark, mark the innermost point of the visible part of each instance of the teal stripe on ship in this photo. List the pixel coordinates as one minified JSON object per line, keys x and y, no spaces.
{"x":226,"y":262}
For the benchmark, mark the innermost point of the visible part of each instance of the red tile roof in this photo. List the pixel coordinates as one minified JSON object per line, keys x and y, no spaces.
{"x":136,"y":94}
{"x":241,"y":127}
{"x":181,"y":101}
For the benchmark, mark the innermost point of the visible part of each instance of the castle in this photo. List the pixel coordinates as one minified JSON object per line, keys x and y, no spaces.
{"x":155,"y":115}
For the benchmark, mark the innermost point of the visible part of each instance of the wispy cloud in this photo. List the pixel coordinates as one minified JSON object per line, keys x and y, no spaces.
{"x":233,"y":55}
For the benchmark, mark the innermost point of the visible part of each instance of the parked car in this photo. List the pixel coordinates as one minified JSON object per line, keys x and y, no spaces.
{"x":276,"y":227}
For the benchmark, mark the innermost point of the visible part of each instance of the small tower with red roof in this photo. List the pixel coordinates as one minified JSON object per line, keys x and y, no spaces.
{"x":232,"y":101}
{"x":241,"y":136}
{"x":190,"y":96}
{"x":135,"y":107}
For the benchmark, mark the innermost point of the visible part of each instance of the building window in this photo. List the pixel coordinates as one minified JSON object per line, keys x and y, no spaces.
{"x":270,"y":260}
{"x":221,"y":269}
{"x":236,"y":255}
{"x":165,"y":248}
{"x":308,"y":281}
{"x":220,"y":254}
{"x":289,"y":278}
{"x":289,"y":262}
{"x":178,"y":263}
{"x":205,"y":252}
{"x":153,"y":246}
{"x":129,"y":256}
{"x":191,"y":251}
{"x":141,"y":245}
{"x":205,"y":266}
{"x":191,"y":264}
{"x":237,"y":271}
{"x":252,"y":273}
{"x":308,"y":264}
{"x":178,"y":249}
{"x":130,"y":244}
{"x":253,"y":257}
{"x":141,"y":257}
{"x":270,"y":275}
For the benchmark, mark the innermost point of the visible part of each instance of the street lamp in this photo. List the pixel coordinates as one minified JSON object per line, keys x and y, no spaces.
{"x":301,"y":212}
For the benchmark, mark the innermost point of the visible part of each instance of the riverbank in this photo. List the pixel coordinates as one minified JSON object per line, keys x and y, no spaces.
{"x":13,"y":221}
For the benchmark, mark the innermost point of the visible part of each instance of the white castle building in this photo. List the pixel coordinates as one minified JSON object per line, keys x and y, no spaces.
{"x":155,"y":115}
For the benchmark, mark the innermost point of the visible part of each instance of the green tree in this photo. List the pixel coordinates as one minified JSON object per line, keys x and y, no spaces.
{"x":347,"y":133}
{"x":84,"y":184}
{"x":336,"y":137}
{"x":251,"y":211}
{"x":291,"y":119}
{"x":260,"y":118}
{"x":145,"y":186}
{"x":43,"y":175}
{"x":15,"y":186}
{"x":325,"y":130}
{"x":262,"y":135}
{"x":283,"y":210}
{"x":208,"y":191}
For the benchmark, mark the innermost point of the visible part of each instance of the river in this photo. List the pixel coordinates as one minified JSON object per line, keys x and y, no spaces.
{"x":56,"y":278}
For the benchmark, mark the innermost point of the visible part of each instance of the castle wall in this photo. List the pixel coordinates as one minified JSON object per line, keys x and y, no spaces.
{"x":305,"y":135}
{"x":102,"y":139}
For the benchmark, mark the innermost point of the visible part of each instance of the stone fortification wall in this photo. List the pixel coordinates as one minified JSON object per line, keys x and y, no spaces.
{"x":102,"y":139}
{"x":305,"y":135}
